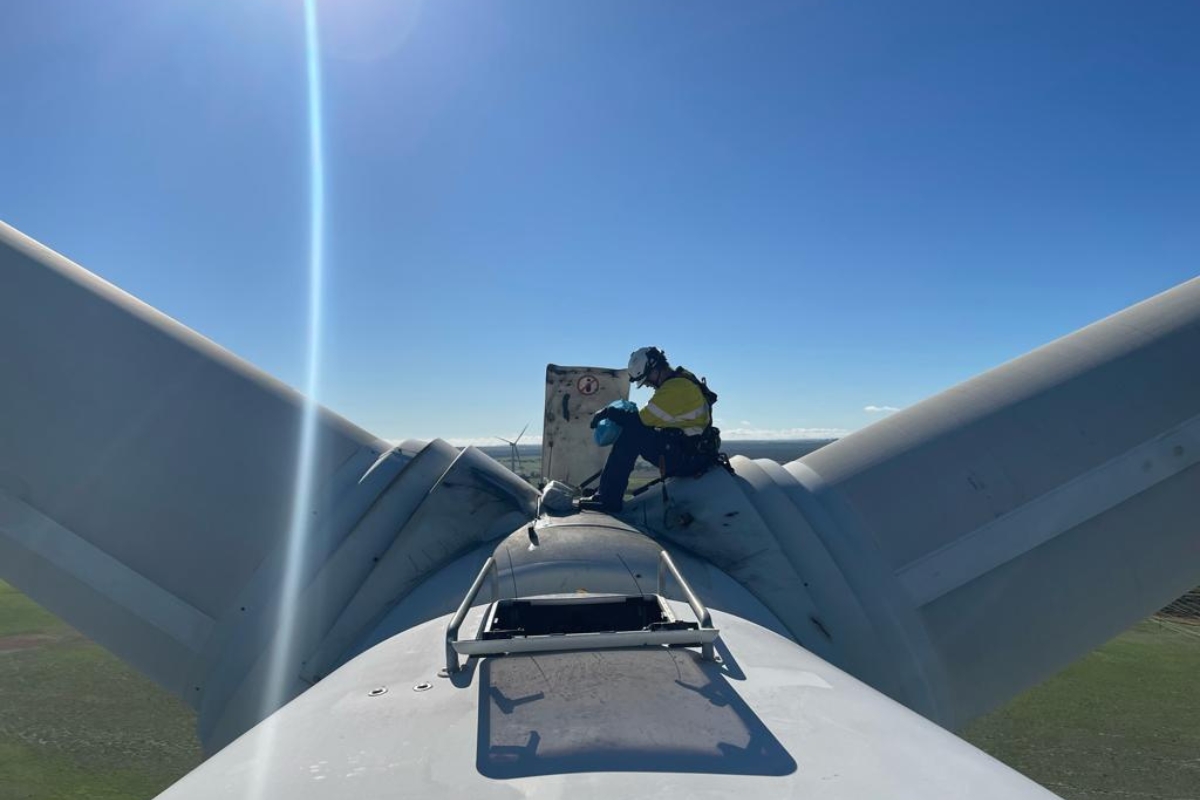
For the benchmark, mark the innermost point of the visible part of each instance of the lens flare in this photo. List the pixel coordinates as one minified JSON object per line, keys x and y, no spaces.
{"x":283,"y":656}
{"x":298,"y":529}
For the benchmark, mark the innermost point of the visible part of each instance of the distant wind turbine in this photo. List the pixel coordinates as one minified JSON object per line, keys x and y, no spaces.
{"x":514,"y":457}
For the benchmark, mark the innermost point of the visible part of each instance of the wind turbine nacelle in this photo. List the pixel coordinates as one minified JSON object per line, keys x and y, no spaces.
{"x":950,"y":555}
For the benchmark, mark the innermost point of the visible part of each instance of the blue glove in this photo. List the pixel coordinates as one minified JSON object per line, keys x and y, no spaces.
{"x":607,"y":432}
{"x":621,"y":412}
{"x":623,"y":417}
{"x":610,"y":420}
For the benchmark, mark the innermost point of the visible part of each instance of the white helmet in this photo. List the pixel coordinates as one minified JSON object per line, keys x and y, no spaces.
{"x":643,"y":361}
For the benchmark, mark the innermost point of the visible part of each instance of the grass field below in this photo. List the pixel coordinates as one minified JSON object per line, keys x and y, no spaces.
{"x":76,"y":723}
{"x":1122,"y":722}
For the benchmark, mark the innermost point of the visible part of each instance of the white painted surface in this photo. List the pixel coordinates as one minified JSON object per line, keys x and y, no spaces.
{"x":573,"y":395}
{"x":76,"y":559}
{"x":1062,"y":508}
{"x":772,"y":722}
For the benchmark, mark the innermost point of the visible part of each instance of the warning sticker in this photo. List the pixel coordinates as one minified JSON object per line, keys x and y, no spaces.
{"x":587,"y":384}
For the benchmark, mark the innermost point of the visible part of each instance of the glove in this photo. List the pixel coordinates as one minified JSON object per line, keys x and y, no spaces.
{"x":600,"y":415}
{"x":623,"y":417}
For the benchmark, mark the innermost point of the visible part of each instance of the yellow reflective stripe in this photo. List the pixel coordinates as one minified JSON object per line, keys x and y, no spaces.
{"x":658,"y":412}
{"x":663,"y":416}
{"x":702,"y":410}
{"x":678,"y":404}
{"x":678,"y":396}
{"x":651,"y":419}
{"x":679,"y":422}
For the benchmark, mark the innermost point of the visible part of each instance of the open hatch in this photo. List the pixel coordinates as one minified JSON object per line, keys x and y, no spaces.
{"x":579,"y":621}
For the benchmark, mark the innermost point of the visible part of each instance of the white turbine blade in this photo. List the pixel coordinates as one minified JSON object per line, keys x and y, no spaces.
{"x":145,"y":489}
{"x":519,"y":435}
{"x":971,"y":545}
{"x":423,"y":513}
{"x":144,"y":471}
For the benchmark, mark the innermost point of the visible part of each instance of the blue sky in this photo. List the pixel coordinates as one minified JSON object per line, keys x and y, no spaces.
{"x":822,"y":206}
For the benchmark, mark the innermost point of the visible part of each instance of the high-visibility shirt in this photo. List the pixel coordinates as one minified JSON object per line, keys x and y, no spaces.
{"x":678,"y":403}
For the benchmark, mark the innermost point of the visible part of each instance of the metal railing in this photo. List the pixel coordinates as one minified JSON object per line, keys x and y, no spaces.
{"x":702,"y":616}
{"x":452,"y":665}
{"x":704,"y":635}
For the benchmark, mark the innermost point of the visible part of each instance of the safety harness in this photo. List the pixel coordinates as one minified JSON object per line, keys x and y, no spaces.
{"x":697,"y":454}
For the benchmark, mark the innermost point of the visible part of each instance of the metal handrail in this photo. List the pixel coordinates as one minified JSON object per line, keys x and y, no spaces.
{"x":452,"y":665}
{"x":665,"y":564}
{"x":702,"y":615}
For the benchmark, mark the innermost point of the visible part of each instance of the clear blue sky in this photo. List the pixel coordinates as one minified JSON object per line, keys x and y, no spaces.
{"x":822,"y":206}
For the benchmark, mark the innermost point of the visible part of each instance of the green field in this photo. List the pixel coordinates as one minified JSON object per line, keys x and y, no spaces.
{"x":77,"y":723}
{"x":1123,"y":722}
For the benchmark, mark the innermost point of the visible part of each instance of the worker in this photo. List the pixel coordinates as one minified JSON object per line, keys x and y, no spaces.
{"x":674,"y":431}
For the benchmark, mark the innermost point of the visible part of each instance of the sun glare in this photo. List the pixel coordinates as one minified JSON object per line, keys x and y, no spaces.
{"x":282,"y":656}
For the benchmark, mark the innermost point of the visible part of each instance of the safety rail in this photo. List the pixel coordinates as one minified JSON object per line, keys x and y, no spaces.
{"x":452,"y":665}
{"x":496,"y":642}
{"x":702,"y":615}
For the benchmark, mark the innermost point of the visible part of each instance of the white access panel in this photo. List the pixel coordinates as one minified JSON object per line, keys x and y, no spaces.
{"x":573,"y":394}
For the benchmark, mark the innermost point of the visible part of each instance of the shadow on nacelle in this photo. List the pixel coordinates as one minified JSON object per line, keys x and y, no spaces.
{"x":649,"y":710}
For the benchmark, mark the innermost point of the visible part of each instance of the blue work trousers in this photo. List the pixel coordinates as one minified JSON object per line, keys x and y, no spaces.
{"x":636,"y":440}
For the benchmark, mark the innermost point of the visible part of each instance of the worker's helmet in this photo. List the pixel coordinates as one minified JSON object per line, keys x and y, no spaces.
{"x":643,"y":361}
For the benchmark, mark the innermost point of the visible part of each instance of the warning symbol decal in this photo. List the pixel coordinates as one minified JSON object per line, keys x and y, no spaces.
{"x":587,"y":384}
